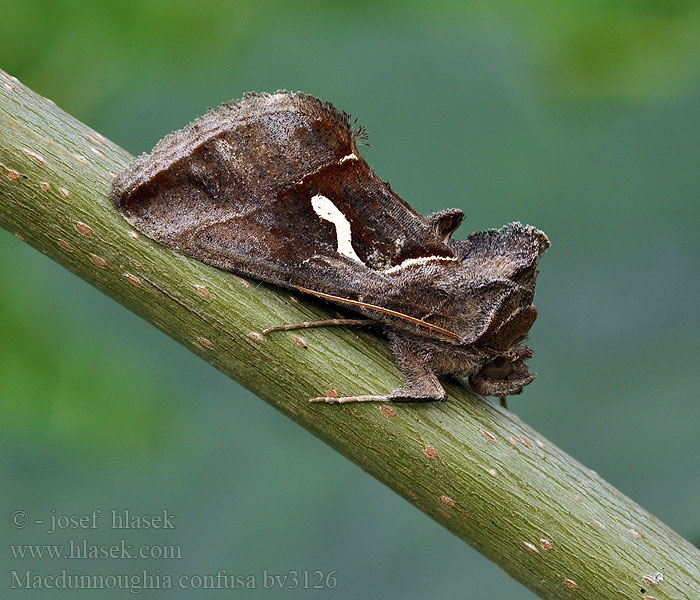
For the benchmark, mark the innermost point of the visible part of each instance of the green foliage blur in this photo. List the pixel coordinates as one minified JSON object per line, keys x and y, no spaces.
{"x":578,"y":117}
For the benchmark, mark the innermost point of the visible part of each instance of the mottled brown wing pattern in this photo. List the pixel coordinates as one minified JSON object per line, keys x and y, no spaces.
{"x":273,"y":186}
{"x":249,"y":182}
{"x":244,"y":188}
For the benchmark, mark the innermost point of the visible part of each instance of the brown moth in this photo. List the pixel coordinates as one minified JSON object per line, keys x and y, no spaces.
{"x":273,"y":186}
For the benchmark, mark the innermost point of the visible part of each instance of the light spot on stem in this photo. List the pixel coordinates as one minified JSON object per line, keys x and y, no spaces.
{"x":83,"y":229}
{"x":488,"y":435}
{"x":447,"y":501}
{"x":98,"y":260}
{"x":571,"y":584}
{"x":430,"y":452}
{"x":205,"y":342}
{"x":133,"y":279}
{"x":34,"y":156}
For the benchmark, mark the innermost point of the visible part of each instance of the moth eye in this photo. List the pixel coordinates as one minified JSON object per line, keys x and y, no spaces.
{"x":499,"y":368}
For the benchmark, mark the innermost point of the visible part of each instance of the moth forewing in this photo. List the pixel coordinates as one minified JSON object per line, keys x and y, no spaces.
{"x":273,"y":186}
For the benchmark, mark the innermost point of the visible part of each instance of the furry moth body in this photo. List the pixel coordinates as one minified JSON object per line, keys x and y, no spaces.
{"x":274,"y":187}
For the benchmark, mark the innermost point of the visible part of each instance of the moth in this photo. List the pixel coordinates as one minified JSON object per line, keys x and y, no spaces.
{"x":273,"y":186}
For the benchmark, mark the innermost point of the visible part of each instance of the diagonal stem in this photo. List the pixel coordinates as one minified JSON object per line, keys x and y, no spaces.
{"x":547,"y":520}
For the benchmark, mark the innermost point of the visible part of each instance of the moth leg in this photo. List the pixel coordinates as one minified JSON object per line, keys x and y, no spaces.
{"x":422,"y":385}
{"x":502,"y":387}
{"x":503,"y":401}
{"x":325,"y":323}
{"x":346,"y":399}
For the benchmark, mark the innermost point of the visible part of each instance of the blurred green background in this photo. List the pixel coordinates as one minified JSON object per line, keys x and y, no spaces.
{"x":578,"y":117}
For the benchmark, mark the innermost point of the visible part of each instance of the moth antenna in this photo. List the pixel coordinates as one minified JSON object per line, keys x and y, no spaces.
{"x":387,"y":311}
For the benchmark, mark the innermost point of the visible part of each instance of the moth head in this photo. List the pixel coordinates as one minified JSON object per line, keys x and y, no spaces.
{"x":504,"y":375}
{"x":505,"y":262}
{"x":504,"y":371}
{"x":497,"y":368}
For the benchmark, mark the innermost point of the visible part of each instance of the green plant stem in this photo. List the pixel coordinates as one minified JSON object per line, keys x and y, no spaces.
{"x":547,"y":520}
